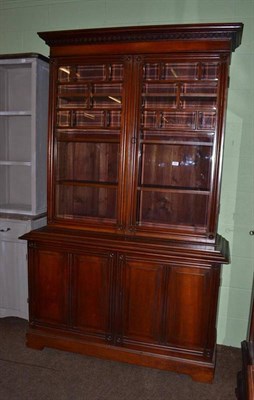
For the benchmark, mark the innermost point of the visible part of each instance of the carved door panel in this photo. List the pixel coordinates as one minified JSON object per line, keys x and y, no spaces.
{"x":48,"y":287}
{"x":140,"y":304}
{"x":190,"y":308}
{"x":92,"y":290}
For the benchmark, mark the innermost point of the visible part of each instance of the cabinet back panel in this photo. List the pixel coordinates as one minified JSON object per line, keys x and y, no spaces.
{"x":162,"y":207}
{"x":95,"y":162}
{"x":15,"y":95}
{"x":85,"y":201}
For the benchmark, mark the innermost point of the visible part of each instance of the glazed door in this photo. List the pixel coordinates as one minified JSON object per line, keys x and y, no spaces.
{"x":87,"y":139}
{"x":178,"y":146}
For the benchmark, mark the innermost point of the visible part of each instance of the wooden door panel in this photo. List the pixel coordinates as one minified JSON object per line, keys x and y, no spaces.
{"x":49,"y":287}
{"x":92,"y":286}
{"x":142,"y":301}
{"x":187,"y":309}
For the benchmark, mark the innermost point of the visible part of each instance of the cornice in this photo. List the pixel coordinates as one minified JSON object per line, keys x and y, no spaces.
{"x":209,"y":32}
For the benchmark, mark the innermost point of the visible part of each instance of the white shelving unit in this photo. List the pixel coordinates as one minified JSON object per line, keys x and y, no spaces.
{"x":23,"y":152}
{"x":23,"y":127}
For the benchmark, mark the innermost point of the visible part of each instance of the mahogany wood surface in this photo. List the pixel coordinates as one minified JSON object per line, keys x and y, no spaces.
{"x":128,"y":266}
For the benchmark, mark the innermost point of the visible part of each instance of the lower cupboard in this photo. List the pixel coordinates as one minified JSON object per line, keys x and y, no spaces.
{"x":138,"y":306}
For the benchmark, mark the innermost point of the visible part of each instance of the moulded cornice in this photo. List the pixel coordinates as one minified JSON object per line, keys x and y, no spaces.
{"x":230,"y":31}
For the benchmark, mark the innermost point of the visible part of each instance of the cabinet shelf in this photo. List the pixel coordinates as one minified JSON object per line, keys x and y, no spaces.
{"x":15,"y":113}
{"x":176,"y":142}
{"x":198,"y":191}
{"x":89,"y":137}
{"x":160,"y":95}
{"x":87,"y":183}
{"x":19,"y":207}
{"x":20,"y":163}
{"x":88,"y":110}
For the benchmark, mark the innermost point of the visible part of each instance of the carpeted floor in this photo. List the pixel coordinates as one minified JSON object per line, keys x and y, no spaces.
{"x":27,"y":374}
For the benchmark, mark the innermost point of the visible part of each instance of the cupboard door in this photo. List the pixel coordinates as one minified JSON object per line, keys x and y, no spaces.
{"x":89,"y":136}
{"x":189,"y":320}
{"x":175,"y":146}
{"x":49,"y":287}
{"x":92,"y":286}
{"x":141,"y":302}
{"x":13,"y":279}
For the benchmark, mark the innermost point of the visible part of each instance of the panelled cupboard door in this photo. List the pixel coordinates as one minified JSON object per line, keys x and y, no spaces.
{"x":141,"y":301}
{"x":189,"y":307}
{"x":92,"y":286}
{"x":13,"y":279}
{"x":48,"y":287}
{"x":167,"y":305}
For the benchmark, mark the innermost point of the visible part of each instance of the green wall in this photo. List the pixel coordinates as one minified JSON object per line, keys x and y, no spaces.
{"x":20,"y":20}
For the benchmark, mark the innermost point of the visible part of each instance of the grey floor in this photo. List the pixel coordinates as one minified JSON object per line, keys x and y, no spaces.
{"x":27,"y":374}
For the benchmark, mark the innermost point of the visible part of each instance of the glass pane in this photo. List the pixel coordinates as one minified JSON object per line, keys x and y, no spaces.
{"x":85,"y":201}
{"x":159,"y":71}
{"x":182,"y":71}
{"x":176,"y":137}
{"x":173,"y":208}
{"x":104,"y":119}
{"x":64,"y":118}
{"x":64,"y":74}
{"x":73,"y":101}
{"x":92,"y":96}
{"x":92,"y":72}
{"x":159,"y":95}
{"x":152,"y":71}
{"x":182,"y":166}
{"x":210,"y":70}
{"x":91,"y":118}
{"x":72,"y":90}
{"x":106,"y":101}
{"x":95,"y":162}
{"x":206,"y":120}
{"x":116,"y":72}
{"x":109,"y":88}
{"x":198,"y":95}
{"x":159,"y":88}
{"x":169,"y":120}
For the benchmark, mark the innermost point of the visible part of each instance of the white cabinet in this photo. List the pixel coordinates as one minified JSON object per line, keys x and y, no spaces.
{"x":23,"y":153}
{"x":13,"y":265}
{"x":23,"y":133}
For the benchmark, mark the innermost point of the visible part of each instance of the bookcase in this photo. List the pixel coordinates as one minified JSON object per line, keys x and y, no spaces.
{"x":128,"y":266}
